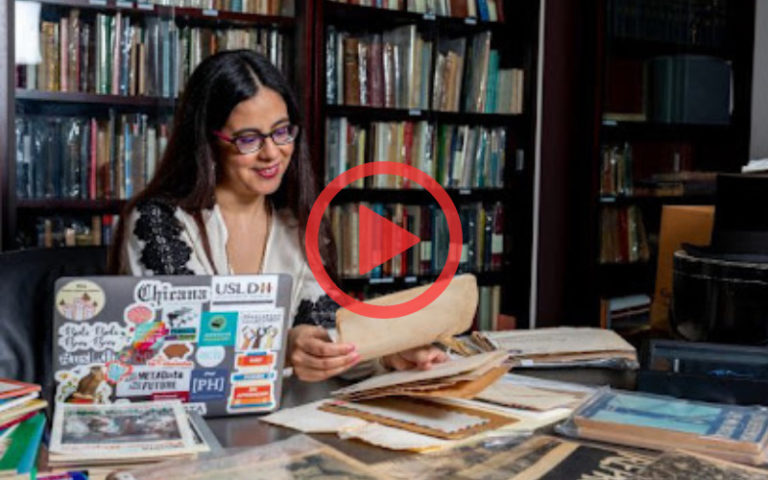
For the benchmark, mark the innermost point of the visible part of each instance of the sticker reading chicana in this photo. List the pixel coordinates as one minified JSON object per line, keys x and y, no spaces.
{"x":80,"y":300}
{"x":157,"y":293}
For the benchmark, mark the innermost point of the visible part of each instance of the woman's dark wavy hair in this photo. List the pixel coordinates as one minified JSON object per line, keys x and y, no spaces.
{"x":186,"y":176}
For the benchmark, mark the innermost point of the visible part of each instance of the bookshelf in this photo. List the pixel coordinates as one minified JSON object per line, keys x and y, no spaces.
{"x":652,"y":143}
{"x":76,"y":99}
{"x":369,"y":114}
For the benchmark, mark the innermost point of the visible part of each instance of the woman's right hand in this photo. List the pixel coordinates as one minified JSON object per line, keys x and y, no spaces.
{"x":315,"y":357}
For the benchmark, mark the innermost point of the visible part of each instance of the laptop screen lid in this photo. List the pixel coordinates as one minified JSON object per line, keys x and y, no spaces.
{"x":214,"y":342}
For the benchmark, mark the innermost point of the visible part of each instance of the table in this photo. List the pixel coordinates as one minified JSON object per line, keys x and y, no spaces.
{"x":247,"y":431}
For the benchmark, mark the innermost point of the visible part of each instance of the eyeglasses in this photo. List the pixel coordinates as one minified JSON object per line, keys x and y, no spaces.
{"x":252,"y":141}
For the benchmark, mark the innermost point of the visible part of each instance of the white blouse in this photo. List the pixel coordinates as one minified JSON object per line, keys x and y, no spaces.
{"x":283,"y":252}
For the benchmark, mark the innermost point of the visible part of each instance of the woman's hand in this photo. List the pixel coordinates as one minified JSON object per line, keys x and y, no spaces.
{"x":315,"y":357}
{"x":422,"y":358}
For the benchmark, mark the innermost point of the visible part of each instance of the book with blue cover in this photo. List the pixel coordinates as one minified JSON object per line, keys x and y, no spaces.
{"x":661,"y":422}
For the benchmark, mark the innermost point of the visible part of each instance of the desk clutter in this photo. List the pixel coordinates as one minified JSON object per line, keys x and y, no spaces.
{"x":481,"y":414}
{"x":90,"y":441}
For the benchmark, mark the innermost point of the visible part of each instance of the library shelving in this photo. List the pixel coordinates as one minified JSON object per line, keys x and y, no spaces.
{"x":393,"y":84}
{"x":85,"y":123}
{"x":655,"y":142}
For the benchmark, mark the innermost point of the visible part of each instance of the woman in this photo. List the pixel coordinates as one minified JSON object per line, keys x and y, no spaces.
{"x":232,"y":195}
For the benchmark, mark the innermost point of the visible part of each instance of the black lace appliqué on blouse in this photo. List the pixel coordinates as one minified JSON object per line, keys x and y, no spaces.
{"x":165,"y":253}
{"x":322,"y":312}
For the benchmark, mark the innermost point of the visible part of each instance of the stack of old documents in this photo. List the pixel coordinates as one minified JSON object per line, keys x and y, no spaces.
{"x":561,"y":347}
{"x":461,"y":378}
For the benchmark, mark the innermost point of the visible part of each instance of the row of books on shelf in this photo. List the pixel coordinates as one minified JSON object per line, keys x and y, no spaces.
{"x":482,"y":229}
{"x":616,"y":169}
{"x":283,"y":8}
{"x":457,"y":156}
{"x":686,"y":22}
{"x":394,"y":69}
{"x":486,"y":10}
{"x":118,"y":55}
{"x":678,"y":89}
{"x":69,"y":231}
{"x":488,"y":308}
{"x":623,"y":235}
{"x":87,"y":158}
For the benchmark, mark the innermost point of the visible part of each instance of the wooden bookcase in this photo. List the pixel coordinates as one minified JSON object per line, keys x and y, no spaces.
{"x":696,"y":29}
{"x":517,"y":40}
{"x":18,"y":214}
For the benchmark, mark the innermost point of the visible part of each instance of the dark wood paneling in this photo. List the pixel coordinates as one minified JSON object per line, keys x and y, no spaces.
{"x":565,"y":164}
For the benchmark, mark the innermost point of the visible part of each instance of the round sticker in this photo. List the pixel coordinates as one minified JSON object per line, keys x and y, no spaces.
{"x":80,"y":300}
{"x":210,"y":356}
{"x":138,"y":313}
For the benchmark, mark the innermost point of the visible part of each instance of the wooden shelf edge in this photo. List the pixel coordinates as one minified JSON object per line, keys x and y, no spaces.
{"x":341,"y":12}
{"x":106,"y":206}
{"x":496,"y":277}
{"x":177,"y":12}
{"x":417,"y":114}
{"x":94,"y":99}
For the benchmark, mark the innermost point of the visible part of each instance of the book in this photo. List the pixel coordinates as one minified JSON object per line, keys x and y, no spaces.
{"x":11,"y":414}
{"x":660,"y":422}
{"x":110,"y":433}
{"x":24,"y":441}
{"x":11,"y":402}
{"x":14,"y":388}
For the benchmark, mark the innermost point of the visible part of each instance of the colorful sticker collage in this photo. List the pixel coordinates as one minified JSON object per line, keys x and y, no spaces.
{"x":212,"y":345}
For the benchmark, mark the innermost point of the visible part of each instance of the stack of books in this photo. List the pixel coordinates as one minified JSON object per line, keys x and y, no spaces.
{"x":109,"y":437}
{"x":21,"y":428}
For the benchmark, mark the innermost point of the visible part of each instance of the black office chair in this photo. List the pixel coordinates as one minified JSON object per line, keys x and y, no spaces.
{"x":27,"y":278}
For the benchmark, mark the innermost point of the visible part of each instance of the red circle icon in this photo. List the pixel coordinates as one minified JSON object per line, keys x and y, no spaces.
{"x":313,"y":229}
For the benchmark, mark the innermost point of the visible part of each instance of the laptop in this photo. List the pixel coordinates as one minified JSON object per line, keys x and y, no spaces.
{"x":216,"y":343}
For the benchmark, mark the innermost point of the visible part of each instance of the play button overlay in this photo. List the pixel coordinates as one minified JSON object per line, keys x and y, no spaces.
{"x":380,"y":240}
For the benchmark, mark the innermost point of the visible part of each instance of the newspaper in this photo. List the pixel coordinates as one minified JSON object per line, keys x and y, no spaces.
{"x":85,"y":432}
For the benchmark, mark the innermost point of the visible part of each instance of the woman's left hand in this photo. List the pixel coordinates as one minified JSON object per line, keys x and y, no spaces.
{"x":422,"y":358}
